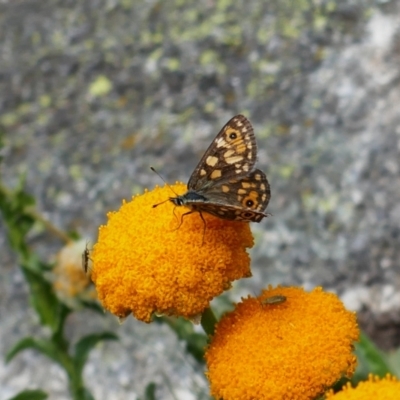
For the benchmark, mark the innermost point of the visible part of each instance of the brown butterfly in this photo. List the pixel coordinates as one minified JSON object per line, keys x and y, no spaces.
{"x":225,"y":183}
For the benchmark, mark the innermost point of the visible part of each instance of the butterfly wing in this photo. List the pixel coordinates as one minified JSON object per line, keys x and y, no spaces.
{"x":243,"y":200}
{"x":231,"y":155}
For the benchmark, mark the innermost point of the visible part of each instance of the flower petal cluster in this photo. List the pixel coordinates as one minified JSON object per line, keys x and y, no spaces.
{"x":160,"y":261}
{"x":387,"y":388}
{"x":293,"y":348}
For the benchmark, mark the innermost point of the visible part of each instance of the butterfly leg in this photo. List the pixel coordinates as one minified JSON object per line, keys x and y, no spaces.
{"x":202,"y":218}
{"x":180,"y":224}
{"x":204,"y":227}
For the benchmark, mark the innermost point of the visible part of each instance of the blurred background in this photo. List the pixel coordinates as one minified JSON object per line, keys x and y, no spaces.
{"x":93,"y":93}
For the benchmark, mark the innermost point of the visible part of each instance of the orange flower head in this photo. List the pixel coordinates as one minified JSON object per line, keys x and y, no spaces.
{"x":159,"y":261}
{"x":387,"y":388}
{"x":285,"y":344}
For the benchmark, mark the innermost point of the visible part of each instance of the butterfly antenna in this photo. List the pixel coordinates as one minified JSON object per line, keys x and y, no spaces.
{"x":172,"y":190}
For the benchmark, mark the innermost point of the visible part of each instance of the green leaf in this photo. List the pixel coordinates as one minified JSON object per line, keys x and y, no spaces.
{"x":86,"y":344}
{"x":45,"y":347}
{"x":1,"y":143}
{"x":195,"y":345}
{"x":370,"y":359}
{"x":30,"y":395}
{"x":14,"y":206}
{"x":74,"y":235}
{"x":83,"y":394}
{"x":44,"y":300}
{"x":394,"y":361}
{"x":94,"y":306}
{"x":150,"y":392}
{"x":208,"y":321}
{"x":35,"y":265}
{"x":58,"y":334}
{"x":195,"y":342}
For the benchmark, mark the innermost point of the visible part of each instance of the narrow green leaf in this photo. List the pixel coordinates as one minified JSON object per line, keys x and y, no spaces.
{"x":196,"y":343}
{"x":371,"y":360}
{"x":58,"y":334}
{"x":394,"y":361}
{"x":43,"y":346}
{"x":86,"y":344}
{"x":150,"y":392}
{"x":43,"y":299}
{"x":1,"y":143}
{"x":14,"y":206}
{"x":30,"y":395}
{"x":83,"y":394}
{"x":94,"y":306}
{"x":208,"y":321}
{"x":35,"y":265}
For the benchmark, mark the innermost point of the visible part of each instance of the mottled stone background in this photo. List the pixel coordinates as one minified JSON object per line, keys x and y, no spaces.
{"x":94,"y":92}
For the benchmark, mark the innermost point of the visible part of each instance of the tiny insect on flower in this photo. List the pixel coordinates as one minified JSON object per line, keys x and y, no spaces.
{"x":86,"y":258}
{"x":285,"y":351}
{"x":377,"y":388}
{"x":278,"y":299}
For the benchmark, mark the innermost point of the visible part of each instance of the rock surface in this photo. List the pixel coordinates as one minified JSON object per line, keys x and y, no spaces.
{"x":93,"y":93}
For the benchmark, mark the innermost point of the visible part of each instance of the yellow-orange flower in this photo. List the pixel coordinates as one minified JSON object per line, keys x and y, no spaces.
{"x":153,"y":260}
{"x":375,"y":388}
{"x":69,"y":280}
{"x":292,"y":349}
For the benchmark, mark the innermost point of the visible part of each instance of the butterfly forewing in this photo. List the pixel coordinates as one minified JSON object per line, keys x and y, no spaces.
{"x":231,"y":155}
{"x":252,"y":192}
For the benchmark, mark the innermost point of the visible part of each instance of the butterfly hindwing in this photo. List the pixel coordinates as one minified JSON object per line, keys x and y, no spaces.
{"x":244,"y":199}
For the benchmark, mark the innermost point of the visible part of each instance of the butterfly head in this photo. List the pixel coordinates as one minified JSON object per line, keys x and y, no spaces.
{"x":178,"y":201}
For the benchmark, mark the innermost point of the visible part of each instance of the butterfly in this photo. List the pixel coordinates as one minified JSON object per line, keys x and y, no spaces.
{"x":225,"y":183}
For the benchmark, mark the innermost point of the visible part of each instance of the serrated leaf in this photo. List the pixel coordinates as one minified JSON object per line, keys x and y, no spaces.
{"x":86,"y":344}
{"x":30,"y":395}
{"x":45,"y":347}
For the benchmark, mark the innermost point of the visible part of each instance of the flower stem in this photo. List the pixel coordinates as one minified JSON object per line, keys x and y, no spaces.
{"x":48,"y":225}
